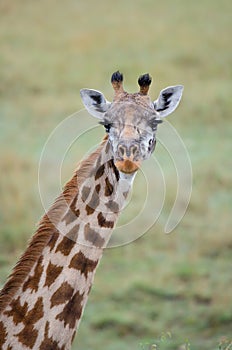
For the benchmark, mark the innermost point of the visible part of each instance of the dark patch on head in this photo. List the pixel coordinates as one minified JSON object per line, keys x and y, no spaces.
{"x":68,"y":242}
{"x":98,"y":188}
{"x":93,"y":203}
{"x":116,"y":77}
{"x":53,"y":271}
{"x":93,"y":236}
{"x":49,"y":343}
{"x":85,"y":193}
{"x":113,"y":206}
{"x":83,"y":264}
{"x":109,"y":189}
{"x":28,"y":335}
{"x":112,"y":166}
{"x":33,"y":281}
{"x":3,"y":334}
{"x":103,"y":222}
{"x":72,"y":310}
{"x":100,"y":172}
{"x":144,"y":80}
{"x":62,"y":294}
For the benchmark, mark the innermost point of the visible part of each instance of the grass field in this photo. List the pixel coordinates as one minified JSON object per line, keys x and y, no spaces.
{"x":164,"y":290}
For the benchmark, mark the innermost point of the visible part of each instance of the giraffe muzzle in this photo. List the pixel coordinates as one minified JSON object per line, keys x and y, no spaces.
{"x":127,"y":166}
{"x":128,"y":158}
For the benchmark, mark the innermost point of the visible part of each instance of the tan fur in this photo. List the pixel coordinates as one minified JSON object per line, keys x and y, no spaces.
{"x":127,"y":166}
{"x":46,"y":229}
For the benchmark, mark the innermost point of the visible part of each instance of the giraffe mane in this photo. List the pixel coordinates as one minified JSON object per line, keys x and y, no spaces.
{"x":46,"y":229}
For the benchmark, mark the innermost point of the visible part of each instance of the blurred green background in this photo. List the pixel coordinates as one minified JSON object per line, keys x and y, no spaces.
{"x":161,"y":289}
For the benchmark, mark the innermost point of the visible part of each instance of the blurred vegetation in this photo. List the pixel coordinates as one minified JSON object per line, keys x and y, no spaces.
{"x":178,"y":284}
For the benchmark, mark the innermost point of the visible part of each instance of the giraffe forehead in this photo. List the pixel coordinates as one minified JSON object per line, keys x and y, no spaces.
{"x":130,"y":113}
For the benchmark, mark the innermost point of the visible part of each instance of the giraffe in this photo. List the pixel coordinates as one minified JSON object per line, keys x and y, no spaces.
{"x":42,"y":301}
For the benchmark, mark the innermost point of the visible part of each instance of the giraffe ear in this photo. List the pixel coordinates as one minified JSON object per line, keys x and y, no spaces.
{"x":95,"y":102}
{"x":168,"y":100}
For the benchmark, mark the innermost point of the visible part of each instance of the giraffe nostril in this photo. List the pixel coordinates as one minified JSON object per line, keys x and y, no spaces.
{"x":134,"y":150}
{"x":121,"y":150}
{"x":128,"y":151}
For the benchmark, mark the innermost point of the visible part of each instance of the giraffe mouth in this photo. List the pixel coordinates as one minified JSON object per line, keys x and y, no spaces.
{"x":127,"y":166}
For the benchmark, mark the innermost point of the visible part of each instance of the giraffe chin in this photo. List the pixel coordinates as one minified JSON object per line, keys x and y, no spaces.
{"x":127,"y":166}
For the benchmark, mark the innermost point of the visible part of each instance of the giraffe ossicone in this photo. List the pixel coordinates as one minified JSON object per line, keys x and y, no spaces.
{"x":42,"y":301}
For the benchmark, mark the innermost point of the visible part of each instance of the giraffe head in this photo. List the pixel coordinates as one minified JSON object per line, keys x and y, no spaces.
{"x":131,"y":119}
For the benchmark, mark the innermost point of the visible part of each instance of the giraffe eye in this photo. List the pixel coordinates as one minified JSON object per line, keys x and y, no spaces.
{"x":107,"y":127}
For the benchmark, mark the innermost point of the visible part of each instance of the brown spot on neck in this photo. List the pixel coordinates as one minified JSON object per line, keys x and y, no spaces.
{"x":100,"y":172}
{"x":33,"y":281}
{"x":98,"y":188}
{"x":89,"y":210}
{"x":68,"y":242}
{"x":85,"y":193}
{"x":72,"y":212}
{"x":53,"y":239}
{"x":48,"y":343}
{"x":72,"y":311}
{"x":113,"y":206}
{"x":109,"y":189}
{"x":28,"y":335}
{"x":93,"y":203}
{"x":83,"y":264}
{"x":52,"y":273}
{"x":62,"y":294}
{"x":17,"y":311}
{"x":113,"y":167}
{"x":103,"y":222}
{"x":93,"y":236}
{"x":35,"y":314}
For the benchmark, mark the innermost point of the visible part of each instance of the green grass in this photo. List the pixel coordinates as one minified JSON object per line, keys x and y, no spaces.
{"x":178,"y":284}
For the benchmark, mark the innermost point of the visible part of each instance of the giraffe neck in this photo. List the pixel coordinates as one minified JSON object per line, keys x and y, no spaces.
{"x":42,"y":302}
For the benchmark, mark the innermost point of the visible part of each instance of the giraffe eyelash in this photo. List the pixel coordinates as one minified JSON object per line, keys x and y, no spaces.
{"x":154,"y":122}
